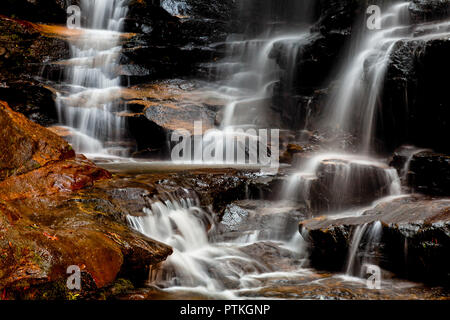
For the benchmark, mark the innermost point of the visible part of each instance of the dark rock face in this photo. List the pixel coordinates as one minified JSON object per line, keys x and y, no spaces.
{"x":429,"y":10}
{"x":429,"y":173}
{"x":299,"y":94}
{"x":53,"y":11}
{"x":337,"y":16}
{"x":414,"y":239}
{"x":414,"y":100}
{"x":218,"y":10}
{"x":37,"y":104}
{"x":167,"y":46}
{"x":24,"y":49}
{"x":303,"y":89}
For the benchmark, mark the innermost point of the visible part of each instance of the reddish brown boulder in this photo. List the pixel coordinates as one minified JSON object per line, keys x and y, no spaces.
{"x":61,"y":176}
{"x":26,"y":146}
{"x":44,"y":228}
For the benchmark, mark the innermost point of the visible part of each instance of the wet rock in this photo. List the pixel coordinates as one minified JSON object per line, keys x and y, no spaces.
{"x":288,"y":155}
{"x":25,"y":48}
{"x":148,"y":17}
{"x":429,"y":10}
{"x":60,"y":176}
{"x":414,"y":100}
{"x":53,"y":11}
{"x":32,"y":99}
{"x":159,"y":108}
{"x":258,"y":220}
{"x":337,"y":16}
{"x":303,"y":89}
{"x":53,"y":234}
{"x":429,"y":173}
{"x":26,"y":146}
{"x":220,"y":10}
{"x":414,"y":238}
{"x":168,"y":46}
{"x":50,"y":219}
{"x":342,"y":184}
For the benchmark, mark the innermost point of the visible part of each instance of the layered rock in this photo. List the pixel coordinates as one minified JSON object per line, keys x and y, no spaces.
{"x":50,"y":11}
{"x":414,"y":239}
{"x":259,"y":220}
{"x":168,"y":45}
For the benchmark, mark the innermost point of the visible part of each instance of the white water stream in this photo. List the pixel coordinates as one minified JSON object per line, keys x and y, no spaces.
{"x":88,"y":107}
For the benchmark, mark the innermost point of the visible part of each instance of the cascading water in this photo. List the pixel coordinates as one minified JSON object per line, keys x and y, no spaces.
{"x":93,"y":89}
{"x":248,"y":73}
{"x":201,"y":263}
{"x":204,"y":262}
{"x":353,"y":106}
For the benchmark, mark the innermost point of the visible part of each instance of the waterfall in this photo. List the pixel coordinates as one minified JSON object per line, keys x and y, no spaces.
{"x":248,"y":73}
{"x":354,"y":105}
{"x":373,"y":236}
{"x":200,"y":263}
{"x":89,"y":104}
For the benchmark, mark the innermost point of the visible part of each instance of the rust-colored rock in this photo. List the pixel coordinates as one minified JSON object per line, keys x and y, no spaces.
{"x":25,"y":146}
{"x":55,"y":232}
{"x":61,"y":176}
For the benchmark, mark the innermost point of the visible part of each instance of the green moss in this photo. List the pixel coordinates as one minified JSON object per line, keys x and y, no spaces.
{"x":119,"y":287}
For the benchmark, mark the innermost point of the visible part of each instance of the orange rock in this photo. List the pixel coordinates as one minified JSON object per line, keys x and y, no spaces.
{"x":25,"y":145}
{"x":61,"y":176}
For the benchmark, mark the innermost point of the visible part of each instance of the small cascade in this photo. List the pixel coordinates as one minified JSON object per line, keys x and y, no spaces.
{"x":201,"y":262}
{"x":353,"y":107}
{"x":354,"y":247}
{"x":343,"y":177}
{"x":411,"y":152}
{"x":251,"y":78}
{"x":364,"y":243}
{"x":89,"y":105}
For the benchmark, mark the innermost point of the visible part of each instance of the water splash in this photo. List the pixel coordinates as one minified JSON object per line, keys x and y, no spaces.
{"x":199,"y":263}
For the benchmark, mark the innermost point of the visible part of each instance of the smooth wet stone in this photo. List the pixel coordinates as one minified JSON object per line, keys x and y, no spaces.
{"x":25,"y":146}
{"x":342,"y":184}
{"x":259,"y":219}
{"x":414,"y":238}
